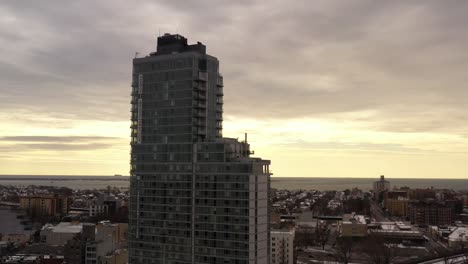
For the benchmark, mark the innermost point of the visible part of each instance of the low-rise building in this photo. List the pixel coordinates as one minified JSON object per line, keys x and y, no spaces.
{"x":397,"y":207}
{"x":307,"y":219}
{"x":96,"y":241}
{"x":465,"y":200}
{"x":45,"y":205}
{"x":117,"y":257}
{"x":426,"y":213}
{"x":353,"y":226}
{"x":33,"y":259}
{"x":98,"y":210}
{"x":117,"y":233}
{"x":96,"y":249}
{"x":421,"y":194}
{"x":61,"y":233}
{"x":458,"y":238}
{"x":75,"y":249}
{"x":282,"y":246}
{"x":3,"y":247}
{"x":48,"y":259}
{"x":104,"y":205}
{"x":440,"y":232}
{"x":16,"y":238}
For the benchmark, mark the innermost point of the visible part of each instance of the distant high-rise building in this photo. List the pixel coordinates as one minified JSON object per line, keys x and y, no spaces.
{"x":195,"y":197}
{"x":379,"y":187}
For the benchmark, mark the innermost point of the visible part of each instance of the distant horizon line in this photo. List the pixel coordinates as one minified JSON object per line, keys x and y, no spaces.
{"x":324,"y":177}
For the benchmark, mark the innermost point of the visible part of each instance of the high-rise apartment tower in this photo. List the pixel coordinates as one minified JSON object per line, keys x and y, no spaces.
{"x":195,"y":197}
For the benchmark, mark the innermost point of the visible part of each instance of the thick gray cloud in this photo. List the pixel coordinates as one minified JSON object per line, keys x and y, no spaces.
{"x":403,"y":60}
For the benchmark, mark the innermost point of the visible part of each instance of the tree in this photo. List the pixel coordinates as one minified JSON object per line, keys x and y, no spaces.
{"x":378,"y":251}
{"x":322,"y":234}
{"x":463,"y":250}
{"x":303,"y":237}
{"x":343,"y":249}
{"x":448,"y":259}
{"x":464,"y":258}
{"x":347,"y":192}
{"x":10,"y":249}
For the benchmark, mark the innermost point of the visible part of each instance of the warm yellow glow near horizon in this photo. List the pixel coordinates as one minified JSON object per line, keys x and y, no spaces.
{"x":318,"y":148}
{"x":301,"y":147}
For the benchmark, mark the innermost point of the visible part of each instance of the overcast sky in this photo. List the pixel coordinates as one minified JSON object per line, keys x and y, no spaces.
{"x":324,"y":88}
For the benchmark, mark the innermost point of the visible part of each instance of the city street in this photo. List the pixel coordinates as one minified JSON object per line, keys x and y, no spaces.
{"x":377,"y":213}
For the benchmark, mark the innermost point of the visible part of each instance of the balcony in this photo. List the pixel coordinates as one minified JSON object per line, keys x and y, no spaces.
{"x":219,"y":100}
{"x":200,"y":104}
{"x":202,"y":76}
{"x":219,"y":91}
{"x":200,"y":96}
{"x":200,"y":114}
{"x":199,"y":123}
{"x":200,"y":87}
{"x":219,"y":81}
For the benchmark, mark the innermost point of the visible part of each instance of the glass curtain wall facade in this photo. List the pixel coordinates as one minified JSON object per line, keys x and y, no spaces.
{"x":195,"y":197}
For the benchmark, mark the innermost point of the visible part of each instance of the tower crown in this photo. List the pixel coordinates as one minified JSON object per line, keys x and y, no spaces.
{"x":175,"y":43}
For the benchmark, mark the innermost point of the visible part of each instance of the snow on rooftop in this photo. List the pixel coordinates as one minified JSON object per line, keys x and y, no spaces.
{"x":459,"y":234}
{"x":64,"y":227}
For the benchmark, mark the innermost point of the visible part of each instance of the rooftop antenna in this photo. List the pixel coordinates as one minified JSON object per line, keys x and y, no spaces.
{"x":159,"y":32}
{"x":136,"y":54}
{"x":245,"y":138}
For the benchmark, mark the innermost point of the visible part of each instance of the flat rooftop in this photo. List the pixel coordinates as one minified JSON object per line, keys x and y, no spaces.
{"x":64,"y":227}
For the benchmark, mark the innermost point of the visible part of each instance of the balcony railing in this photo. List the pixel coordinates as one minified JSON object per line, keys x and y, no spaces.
{"x":219,"y":81}
{"x":200,"y":114}
{"x":200,"y":96}
{"x":200,"y":122}
{"x":200,"y":105}
{"x":200,"y":86}
{"x":201,"y":132}
{"x":202,"y":76}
